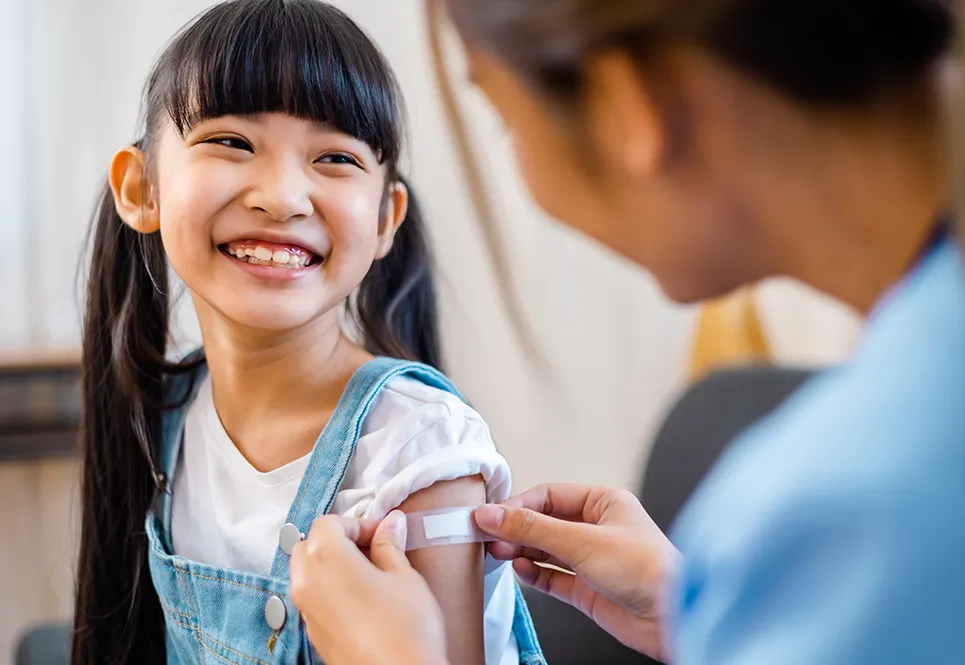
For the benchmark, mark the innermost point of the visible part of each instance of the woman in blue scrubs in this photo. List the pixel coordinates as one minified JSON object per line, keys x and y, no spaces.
{"x":717,"y":143}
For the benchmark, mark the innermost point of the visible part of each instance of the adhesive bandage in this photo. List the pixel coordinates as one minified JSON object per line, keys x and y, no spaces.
{"x":446,"y":526}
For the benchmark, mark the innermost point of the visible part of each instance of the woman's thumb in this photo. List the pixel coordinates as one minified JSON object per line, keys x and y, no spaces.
{"x":528,"y":528}
{"x":387,"y":551}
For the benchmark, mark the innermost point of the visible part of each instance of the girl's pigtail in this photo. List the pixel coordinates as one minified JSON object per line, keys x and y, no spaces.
{"x":118,"y":616}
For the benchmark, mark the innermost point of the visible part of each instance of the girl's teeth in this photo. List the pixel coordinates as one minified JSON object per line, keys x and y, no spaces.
{"x":263,"y":256}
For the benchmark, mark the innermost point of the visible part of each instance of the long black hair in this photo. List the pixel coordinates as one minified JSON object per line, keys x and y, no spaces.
{"x":300,"y":57}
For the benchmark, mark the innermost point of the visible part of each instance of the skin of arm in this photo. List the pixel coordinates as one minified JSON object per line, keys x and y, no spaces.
{"x":454,"y":573}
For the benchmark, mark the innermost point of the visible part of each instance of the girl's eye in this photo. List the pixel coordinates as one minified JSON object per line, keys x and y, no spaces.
{"x":338,"y":158}
{"x":232,"y":142}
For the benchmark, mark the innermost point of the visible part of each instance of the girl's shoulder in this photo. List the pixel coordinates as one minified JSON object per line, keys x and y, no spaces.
{"x":392,"y":390}
{"x":413,"y":436}
{"x":408,"y":393}
{"x":418,"y":401}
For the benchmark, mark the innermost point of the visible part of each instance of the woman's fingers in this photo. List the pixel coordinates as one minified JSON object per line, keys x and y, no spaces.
{"x":330,"y":545}
{"x":359,"y":531}
{"x":559,"y":500}
{"x":507,"y":552}
{"x":557,"y":583}
{"x":578,"y":503}
{"x":364,"y":531}
{"x":546,"y":538}
{"x":387,"y":550}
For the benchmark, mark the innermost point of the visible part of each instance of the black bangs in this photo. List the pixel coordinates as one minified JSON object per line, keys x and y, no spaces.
{"x":300,"y":57}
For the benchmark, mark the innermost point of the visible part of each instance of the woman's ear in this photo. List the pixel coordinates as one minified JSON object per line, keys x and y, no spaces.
{"x":395,"y":210}
{"x":625,"y":119}
{"x":133,"y":199}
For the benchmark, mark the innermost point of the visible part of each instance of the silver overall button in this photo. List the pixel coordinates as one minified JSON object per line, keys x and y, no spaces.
{"x":289,"y":537}
{"x":275,"y":613}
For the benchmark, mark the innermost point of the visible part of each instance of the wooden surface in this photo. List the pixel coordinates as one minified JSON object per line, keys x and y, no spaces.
{"x":40,"y":405}
{"x":39,"y":359}
{"x":40,"y":394}
{"x":38,"y":538}
{"x":56,"y":444}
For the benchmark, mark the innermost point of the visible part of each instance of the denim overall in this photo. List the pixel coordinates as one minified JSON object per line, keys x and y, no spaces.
{"x":214,"y":615}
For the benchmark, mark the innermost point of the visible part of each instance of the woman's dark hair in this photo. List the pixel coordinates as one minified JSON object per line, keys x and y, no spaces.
{"x":817,"y":51}
{"x":300,"y":57}
{"x":841,"y":53}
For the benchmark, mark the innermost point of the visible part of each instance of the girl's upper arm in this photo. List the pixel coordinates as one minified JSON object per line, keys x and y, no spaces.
{"x":455,"y":572}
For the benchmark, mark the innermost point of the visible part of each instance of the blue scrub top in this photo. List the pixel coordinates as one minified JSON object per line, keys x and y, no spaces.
{"x":833,"y":532}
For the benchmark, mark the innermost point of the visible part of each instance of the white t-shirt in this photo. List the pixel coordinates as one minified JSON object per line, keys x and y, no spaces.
{"x":228,"y":514}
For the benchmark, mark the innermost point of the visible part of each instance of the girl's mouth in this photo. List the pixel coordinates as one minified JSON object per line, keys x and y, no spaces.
{"x":261,"y":253}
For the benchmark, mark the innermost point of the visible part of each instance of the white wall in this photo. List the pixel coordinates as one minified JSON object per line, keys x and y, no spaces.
{"x":14,"y":166}
{"x":617,"y":349}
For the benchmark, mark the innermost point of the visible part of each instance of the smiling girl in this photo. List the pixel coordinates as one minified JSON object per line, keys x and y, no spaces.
{"x":267,"y":176}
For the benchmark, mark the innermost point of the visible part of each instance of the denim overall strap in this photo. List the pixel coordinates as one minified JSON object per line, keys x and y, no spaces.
{"x":336,"y":445}
{"x":530,"y":651}
{"x":179,"y":391}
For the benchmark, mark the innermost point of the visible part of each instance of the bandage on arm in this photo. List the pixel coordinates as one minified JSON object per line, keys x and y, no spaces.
{"x":444,"y":526}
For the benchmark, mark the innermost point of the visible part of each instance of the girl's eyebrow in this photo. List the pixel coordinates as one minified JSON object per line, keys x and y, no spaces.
{"x":329,"y":128}
{"x":324,"y":126}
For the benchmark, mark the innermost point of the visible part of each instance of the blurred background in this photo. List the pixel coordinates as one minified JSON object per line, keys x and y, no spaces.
{"x":619,"y":354}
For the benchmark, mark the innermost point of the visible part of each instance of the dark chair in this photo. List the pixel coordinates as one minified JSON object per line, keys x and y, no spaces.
{"x":710,"y":415}
{"x":698,"y":428}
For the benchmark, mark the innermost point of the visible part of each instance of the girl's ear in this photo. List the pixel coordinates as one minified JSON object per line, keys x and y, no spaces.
{"x":395,"y":211}
{"x":133,"y":198}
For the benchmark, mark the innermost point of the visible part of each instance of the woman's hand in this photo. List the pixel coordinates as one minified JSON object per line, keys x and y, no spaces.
{"x":617,"y":561}
{"x":362,"y":610}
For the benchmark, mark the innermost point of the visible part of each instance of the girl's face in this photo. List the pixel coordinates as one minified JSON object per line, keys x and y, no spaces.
{"x":272,"y":221}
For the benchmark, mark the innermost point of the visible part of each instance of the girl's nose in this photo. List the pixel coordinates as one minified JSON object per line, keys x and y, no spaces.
{"x":282,"y":191}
